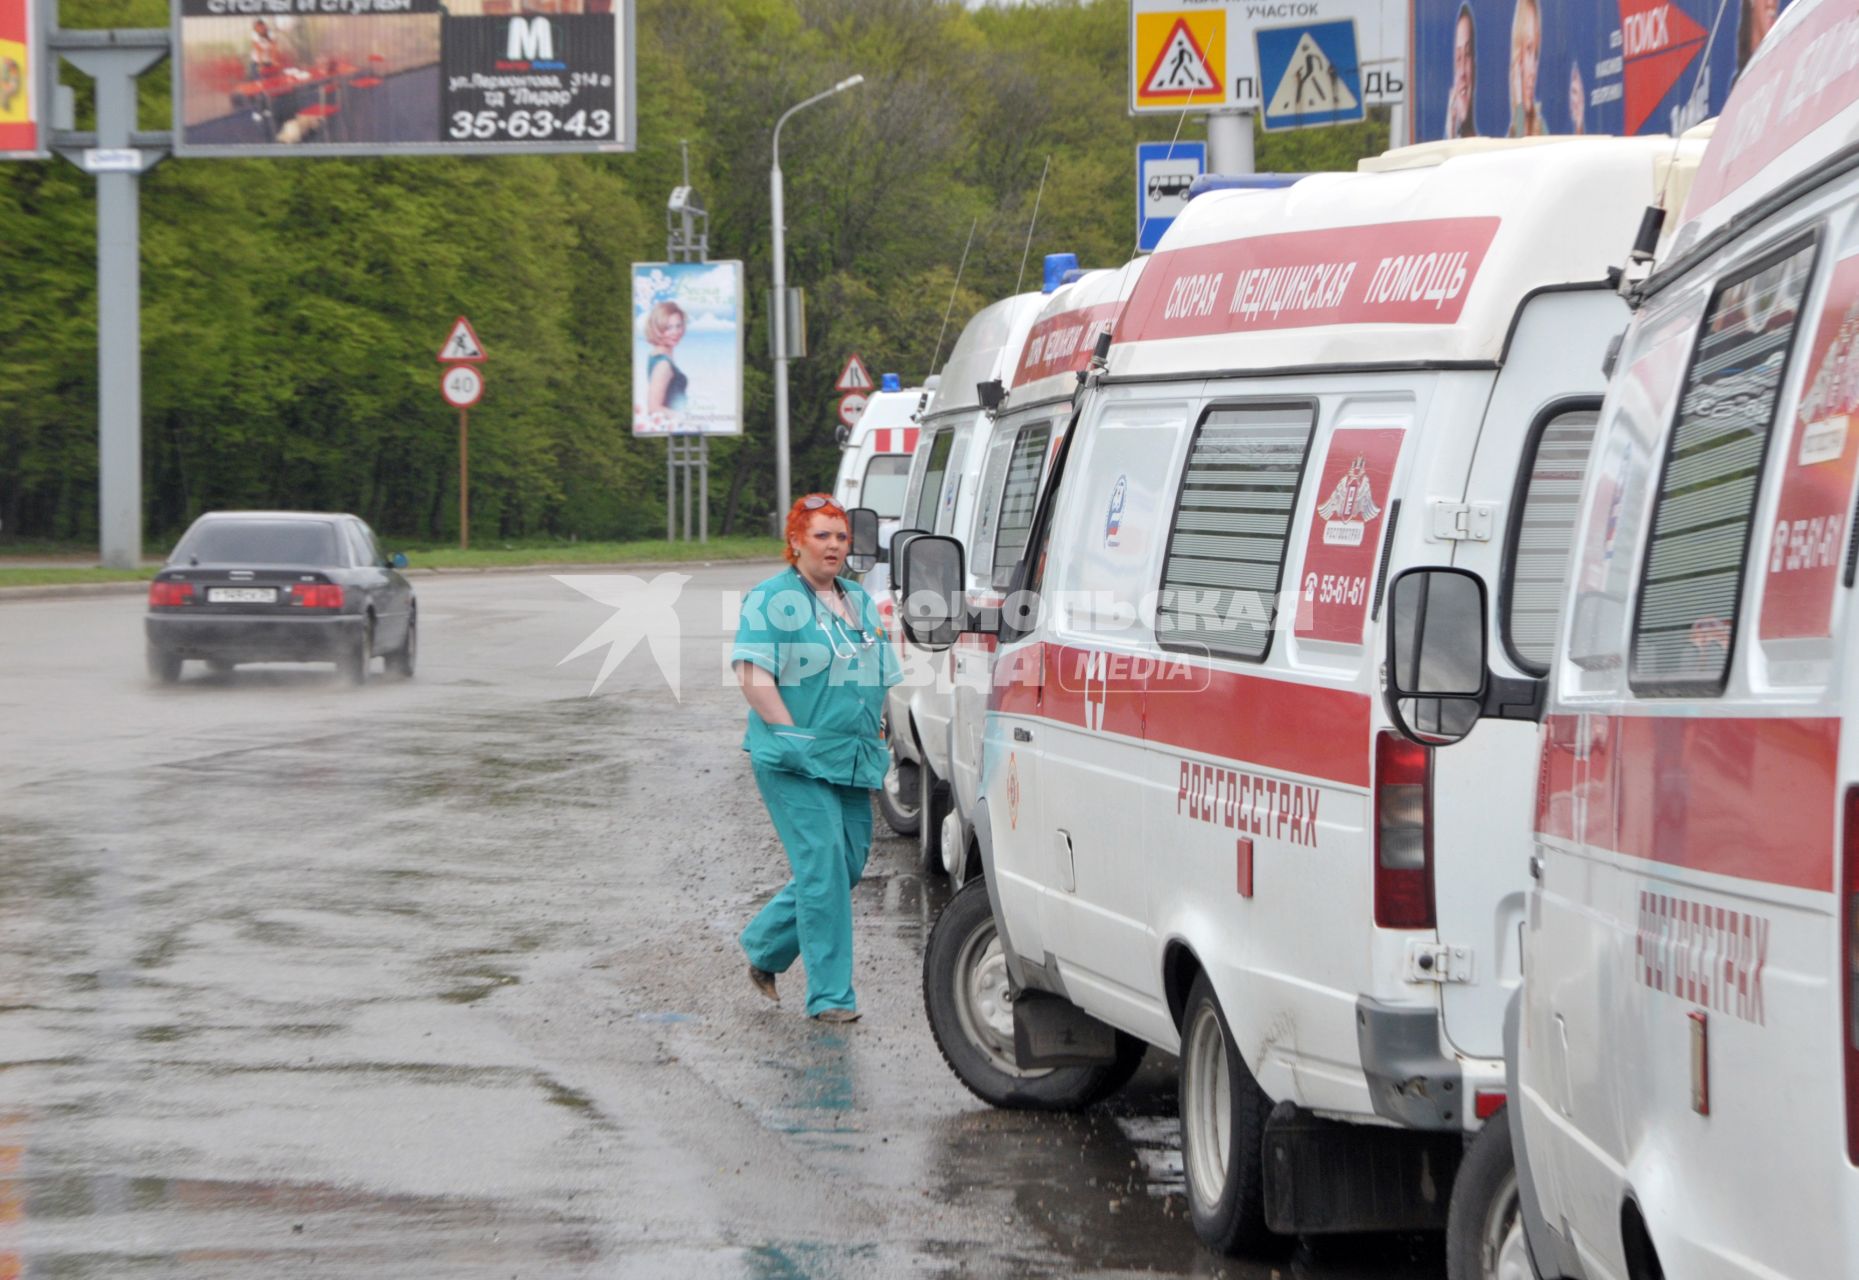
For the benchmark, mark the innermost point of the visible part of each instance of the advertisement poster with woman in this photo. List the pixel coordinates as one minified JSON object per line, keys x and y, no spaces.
{"x":1524,"y":68}
{"x":687,"y":348}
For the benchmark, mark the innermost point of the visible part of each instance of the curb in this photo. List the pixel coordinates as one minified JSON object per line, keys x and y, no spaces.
{"x":71,"y":590}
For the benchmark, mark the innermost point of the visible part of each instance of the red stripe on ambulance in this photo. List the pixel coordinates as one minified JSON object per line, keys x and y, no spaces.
{"x":1063,"y":343}
{"x":1225,"y":716}
{"x":1753,"y":798}
{"x":1398,"y":273}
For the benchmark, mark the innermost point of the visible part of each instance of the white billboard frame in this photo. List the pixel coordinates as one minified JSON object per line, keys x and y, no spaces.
{"x":625,"y":108}
{"x":701,"y":318}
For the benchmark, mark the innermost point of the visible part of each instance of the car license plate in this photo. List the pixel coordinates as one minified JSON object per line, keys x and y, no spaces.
{"x":242,"y":595}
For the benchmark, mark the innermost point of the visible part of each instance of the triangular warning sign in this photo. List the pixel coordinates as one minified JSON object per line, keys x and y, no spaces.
{"x":462,"y":345}
{"x":1181,"y":70}
{"x":855,"y":377}
{"x":1312,"y":85}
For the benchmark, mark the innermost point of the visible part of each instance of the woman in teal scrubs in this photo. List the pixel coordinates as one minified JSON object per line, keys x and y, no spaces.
{"x":813,"y":664}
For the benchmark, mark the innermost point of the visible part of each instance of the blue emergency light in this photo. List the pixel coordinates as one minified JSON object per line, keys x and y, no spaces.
{"x":1057,"y":264}
{"x":892,"y":383}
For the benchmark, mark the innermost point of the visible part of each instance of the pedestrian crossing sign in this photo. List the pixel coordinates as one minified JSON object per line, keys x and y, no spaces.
{"x":1180,"y":59}
{"x":1311,"y":75}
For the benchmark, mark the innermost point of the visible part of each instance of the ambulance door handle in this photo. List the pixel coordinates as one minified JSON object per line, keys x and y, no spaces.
{"x":1022,"y":735}
{"x":1536,"y":866}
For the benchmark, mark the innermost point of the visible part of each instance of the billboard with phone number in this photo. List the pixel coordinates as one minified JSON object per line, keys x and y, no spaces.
{"x":1518,"y":68}
{"x":21,"y":63}
{"x":389,"y":77}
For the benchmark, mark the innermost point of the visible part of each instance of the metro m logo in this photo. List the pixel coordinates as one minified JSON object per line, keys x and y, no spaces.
{"x":531,"y":40}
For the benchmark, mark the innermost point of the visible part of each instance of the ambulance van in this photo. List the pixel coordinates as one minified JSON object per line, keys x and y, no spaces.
{"x":1686,"y":1043}
{"x":1197,"y":827}
{"x":1028,"y":429}
{"x":942,"y":497}
{"x":874,"y":459}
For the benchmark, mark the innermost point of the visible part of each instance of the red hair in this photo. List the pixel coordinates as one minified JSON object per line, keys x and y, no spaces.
{"x":800,"y":517}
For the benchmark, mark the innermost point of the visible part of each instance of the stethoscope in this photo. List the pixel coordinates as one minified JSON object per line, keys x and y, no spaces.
{"x":845,"y":634}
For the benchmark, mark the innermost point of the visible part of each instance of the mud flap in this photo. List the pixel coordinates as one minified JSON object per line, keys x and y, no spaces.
{"x":1325,"y":1176}
{"x":1050,"y":1031}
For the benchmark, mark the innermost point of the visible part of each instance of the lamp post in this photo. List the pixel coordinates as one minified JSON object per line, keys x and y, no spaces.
{"x":780,"y":300}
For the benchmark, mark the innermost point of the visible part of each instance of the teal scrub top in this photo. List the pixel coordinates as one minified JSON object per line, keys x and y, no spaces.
{"x":832,"y":677}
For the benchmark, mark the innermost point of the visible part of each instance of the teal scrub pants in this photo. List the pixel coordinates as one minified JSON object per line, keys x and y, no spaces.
{"x":826,"y":829}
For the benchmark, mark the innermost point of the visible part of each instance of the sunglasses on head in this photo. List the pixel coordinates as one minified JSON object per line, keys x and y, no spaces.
{"x":814,"y":501}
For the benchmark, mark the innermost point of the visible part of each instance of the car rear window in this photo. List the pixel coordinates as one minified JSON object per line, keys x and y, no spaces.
{"x":292,"y":542}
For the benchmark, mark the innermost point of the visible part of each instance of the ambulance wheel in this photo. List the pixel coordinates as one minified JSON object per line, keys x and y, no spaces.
{"x":969,"y":999}
{"x":897,"y":798}
{"x":933,"y":803}
{"x":1484,"y":1223}
{"x":1223,"y":1113}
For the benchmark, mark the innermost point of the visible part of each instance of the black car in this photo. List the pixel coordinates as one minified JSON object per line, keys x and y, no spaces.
{"x":280,"y":586}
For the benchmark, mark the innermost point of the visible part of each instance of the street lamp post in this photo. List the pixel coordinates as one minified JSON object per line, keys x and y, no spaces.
{"x":782,"y":484}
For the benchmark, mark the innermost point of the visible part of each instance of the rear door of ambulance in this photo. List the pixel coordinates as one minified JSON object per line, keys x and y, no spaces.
{"x":1512,"y":525}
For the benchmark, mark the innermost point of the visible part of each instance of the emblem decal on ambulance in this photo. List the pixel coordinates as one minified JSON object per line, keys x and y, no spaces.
{"x":1350,"y":507}
{"x":1113,"y":518}
{"x":1339,"y":556}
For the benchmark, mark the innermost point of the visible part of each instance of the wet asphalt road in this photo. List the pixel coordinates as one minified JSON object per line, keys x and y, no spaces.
{"x":438,"y":977}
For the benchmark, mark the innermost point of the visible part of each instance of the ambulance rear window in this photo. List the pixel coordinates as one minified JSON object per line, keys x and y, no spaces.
{"x":886,"y":478}
{"x":1691,"y":583}
{"x":1545,"y":531}
{"x":1226,"y":552}
{"x":931,"y":493}
{"x":1018,"y":498}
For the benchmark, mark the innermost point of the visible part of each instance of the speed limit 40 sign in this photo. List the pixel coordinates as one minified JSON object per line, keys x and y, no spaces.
{"x":462,"y":385}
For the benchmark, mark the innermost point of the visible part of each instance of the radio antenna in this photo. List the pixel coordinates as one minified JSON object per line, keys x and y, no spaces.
{"x":946,"y":311}
{"x":1710,"y":42}
{"x":1027,"y":252}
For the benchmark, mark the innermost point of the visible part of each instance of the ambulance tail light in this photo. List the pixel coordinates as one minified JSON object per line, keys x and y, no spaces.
{"x":1403,"y":834}
{"x":1849,"y":949}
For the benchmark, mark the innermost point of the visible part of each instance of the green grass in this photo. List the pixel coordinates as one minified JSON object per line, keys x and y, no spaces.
{"x":500,"y":555}
{"x":58,"y":577}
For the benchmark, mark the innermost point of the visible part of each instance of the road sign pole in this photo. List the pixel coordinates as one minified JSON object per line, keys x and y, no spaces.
{"x":1229,"y":142}
{"x":464,"y":482}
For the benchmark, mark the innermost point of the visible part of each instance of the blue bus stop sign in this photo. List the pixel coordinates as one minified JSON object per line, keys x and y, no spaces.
{"x":1164,"y":172}
{"x":1310,"y":75}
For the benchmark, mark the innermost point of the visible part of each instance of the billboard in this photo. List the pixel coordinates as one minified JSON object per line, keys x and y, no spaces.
{"x":1498,"y":68}
{"x":687,"y":348}
{"x":391,"y":77}
{"x":1192,"y":55}
{"x":22,"y":62}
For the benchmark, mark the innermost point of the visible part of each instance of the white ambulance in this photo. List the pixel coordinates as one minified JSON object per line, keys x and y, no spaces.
{"x":1040,"y":395}
{"x":874,"y":459}
{"x":1196,"y":826}
{"x":942,"y":497}
{"x":1686,"y":1047}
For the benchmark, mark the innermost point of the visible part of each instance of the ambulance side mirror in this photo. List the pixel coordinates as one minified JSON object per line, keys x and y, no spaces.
{"x":935,"y":602}
{"x":899,"y":540}
{"x":1437,"y":682}
{"x":864,"y":553}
